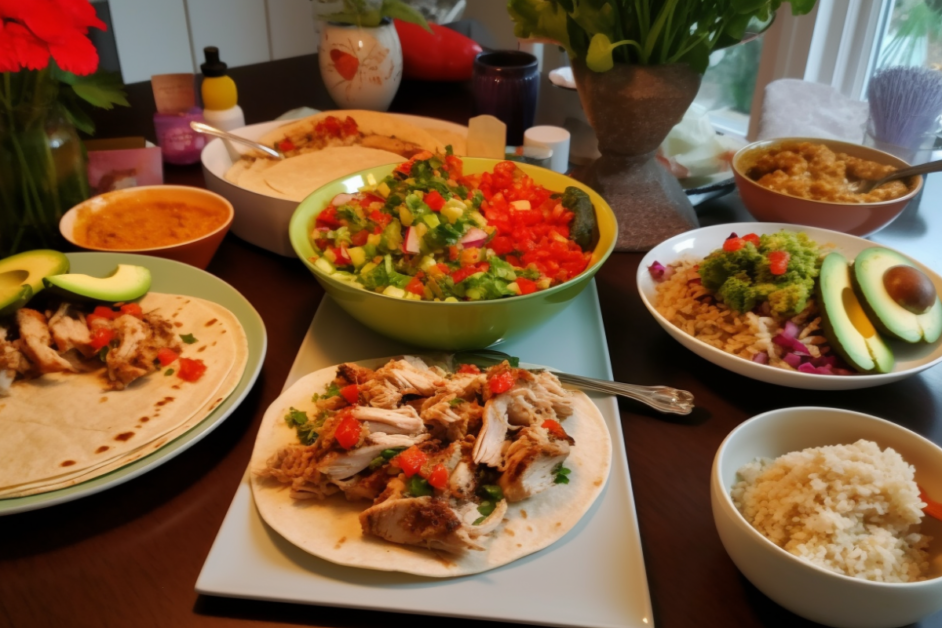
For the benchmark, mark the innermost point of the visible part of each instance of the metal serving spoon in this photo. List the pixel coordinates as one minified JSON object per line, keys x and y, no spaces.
{"x":661,"y":398}
{"x":201,"y":127}
{"x":862,"y":187}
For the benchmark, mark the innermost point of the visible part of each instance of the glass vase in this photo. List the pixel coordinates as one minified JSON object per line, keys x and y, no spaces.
{"x":42,"y":163}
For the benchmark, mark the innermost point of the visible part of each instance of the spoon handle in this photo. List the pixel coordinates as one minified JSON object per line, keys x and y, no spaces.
{"x":926,"y":168}
{"x":205,"y":129}
{"x":661,"y":398}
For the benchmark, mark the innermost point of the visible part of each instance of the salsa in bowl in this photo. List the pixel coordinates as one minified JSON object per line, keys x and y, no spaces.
{"x":445,"y":254}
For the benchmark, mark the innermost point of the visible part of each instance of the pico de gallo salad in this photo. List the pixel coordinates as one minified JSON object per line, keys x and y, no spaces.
{"x":429,"y":232}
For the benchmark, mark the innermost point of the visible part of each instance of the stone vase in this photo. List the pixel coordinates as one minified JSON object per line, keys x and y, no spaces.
{"x":361,"y":66}
{"x":632,"y":109}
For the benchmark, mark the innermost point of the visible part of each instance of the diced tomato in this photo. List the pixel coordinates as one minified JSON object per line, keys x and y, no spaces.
{"x":453,"y":253}
{"x":751,"y":237}
{"x":348,"y":432}
{"x":380,"y":218}
{"x":411,"y":460}
{"x":554,"y":428}
{"x":463,"y":273}
{"x":366,"y":199}
{"x":434,"y":200}
{"x":328,"y":218}
{"x":469,"y":368}
{"x":190,"y":370}
{"x":105,"y":312}
{"x":351,"y":393}
{"x":526,"y":285}
{"x":133,"y":309}
{"x":415,"y":286}
{"x":778,"y":262}
{"x":101,"y":336}
{"x":438,"y":478}
{"x":343,"y":258}
{"x":733,"y":244}
{"x":286,"y":145}
{"x":359,"y":238}
{"x":501,"y":245}
{"x":502,"y":382}
{"x":322,"y":244}
{"x":166,"y":356}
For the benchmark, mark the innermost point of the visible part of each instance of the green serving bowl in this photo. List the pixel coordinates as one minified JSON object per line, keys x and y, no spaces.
{"x":436,"y":324}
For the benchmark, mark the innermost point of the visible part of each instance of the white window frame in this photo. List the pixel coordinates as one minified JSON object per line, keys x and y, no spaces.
{"x":834,"y":45}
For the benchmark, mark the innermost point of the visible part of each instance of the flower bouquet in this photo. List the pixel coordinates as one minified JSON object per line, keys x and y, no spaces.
{"x":46,"y":70}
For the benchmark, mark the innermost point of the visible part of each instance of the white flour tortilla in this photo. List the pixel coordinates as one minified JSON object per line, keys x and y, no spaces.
{"x":330,"y":529}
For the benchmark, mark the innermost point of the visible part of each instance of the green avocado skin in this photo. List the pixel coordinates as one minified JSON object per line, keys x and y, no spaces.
{"x":835,"y":320}
{"x":889,"y":318}
{"x":33,"y":266}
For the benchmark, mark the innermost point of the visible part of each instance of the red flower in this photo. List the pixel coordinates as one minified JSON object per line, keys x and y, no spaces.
{"x":32,"y":31}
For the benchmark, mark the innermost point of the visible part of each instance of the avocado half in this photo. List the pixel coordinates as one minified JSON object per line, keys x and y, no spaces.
{"x":888,"y":316}
{"x":21,"y":276}
{"x":126,"y":283}
{"x":846,"y":325}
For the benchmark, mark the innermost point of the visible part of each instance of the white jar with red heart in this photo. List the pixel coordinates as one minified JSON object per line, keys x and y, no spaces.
{"x":361,"y":66}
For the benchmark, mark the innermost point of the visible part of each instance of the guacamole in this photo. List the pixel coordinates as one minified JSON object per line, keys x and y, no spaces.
{"x":779,"y":268}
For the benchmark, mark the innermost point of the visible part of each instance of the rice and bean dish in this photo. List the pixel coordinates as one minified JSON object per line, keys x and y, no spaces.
{"x":753,"y":298}
{"x":852,"y":509}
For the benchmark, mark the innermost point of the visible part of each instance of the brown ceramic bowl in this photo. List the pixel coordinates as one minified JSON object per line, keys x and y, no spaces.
{"x":196,"y":251}
{"x":859,"y":219}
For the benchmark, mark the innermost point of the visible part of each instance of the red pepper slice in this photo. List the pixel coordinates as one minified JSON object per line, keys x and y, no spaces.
{"x":469,"y":368}
{"x":101,"y":336}
{"x":415,"y":286}
{"x":733,"y":244}
{"x":190,"y":370}
{"x":166,"y":356}
{"x":348,"y":432}
{"x":411,"y":460}
{"x":328,"y":218}
{"x":351,"y":393}
{"x":343,"y":258}
{"x":502,"y":382}
{"x":380,"y":218}
{"x":105,"y":312}
{"x":778,"y":262}
{"x":438,"y":478}
{"x":463,"y":273}
{"x":359,"y":238}
{"x":554,"y":428}
{"x":434,"y":200}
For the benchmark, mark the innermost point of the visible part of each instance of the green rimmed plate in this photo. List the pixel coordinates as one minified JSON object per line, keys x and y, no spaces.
{"x":174,"y":278}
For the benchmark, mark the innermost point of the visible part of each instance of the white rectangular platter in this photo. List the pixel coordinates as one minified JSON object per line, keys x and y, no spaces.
{"x":594,"y":576}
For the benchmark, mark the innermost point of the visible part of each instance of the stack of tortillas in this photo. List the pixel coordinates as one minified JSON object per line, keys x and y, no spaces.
{"x":296,"y":177}
{"x":61,"y":429}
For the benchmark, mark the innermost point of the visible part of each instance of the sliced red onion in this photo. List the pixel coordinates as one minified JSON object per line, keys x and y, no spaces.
{"x":410,"y":243}
{"x":807,"y":367}
{"x":793,"y":344}
{"x":791,"y":329}
{"x":341,"y":199}
{"x":732,"y":235}
{"x":825,"y":360}
{"x":793,"y":360}
{"x":474,"y":238}
{"x":761,"y":358}
{"x":657,"y":271}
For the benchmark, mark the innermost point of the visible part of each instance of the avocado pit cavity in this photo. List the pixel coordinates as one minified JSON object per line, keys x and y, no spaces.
{"x":910,"y":288}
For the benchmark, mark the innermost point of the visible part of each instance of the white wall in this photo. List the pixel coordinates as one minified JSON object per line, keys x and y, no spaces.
{"x":165,"y":36}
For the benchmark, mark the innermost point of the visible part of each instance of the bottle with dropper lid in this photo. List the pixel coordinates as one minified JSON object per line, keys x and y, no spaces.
{"x":220,"y":96}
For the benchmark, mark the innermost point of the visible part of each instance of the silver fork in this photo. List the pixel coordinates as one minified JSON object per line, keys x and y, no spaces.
{"x":661,"y":398}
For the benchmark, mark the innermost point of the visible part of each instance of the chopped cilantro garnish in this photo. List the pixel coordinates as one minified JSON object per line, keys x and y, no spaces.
{"x":332,"y":391}
{"x":295,"y":417}
{"x":187,"y":338}
{"x":486,"y":508}
{"x":457,"y":401}
{"x":306,"y":434}
{"x":389,"y":454}
{"x":103,"y":354}
{"x":168,"y":372}
{"x":514,"y":362}
{"x":418,"y":486}
{"x":377,"y":462}
{"x":561,"y":474}
{"x":492,"y":492}
{"x":479,"y":521}
{"x":449,"y":150}
{"x":306,"y":429}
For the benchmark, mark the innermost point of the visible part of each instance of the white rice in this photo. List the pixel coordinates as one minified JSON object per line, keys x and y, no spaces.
{"x":852,"y":509}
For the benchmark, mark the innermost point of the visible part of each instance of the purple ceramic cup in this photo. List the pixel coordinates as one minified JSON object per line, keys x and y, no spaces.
{"x":506,"y":85}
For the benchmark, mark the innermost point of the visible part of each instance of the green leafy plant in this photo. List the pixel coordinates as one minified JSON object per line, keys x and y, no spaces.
{"x":367,"y":12}
{"x":645,"y":32}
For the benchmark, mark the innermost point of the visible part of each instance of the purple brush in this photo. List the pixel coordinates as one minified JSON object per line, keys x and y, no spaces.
{"x":905,"y":103}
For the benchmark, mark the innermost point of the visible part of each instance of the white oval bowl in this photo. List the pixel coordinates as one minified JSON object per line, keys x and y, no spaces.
{"x":803,"y":588}
{"x":697,"y":244}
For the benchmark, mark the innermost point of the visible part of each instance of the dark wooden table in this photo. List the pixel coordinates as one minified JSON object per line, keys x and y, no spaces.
{"x":130,"y":556}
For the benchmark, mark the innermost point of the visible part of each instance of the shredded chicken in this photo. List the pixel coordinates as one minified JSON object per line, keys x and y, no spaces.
{"x":70,"y":331}
{"x":425,"y":521}
{"x":404,"y":420}
{"x":489,"y":445}
{"x":343,"y":464}
{"x":37,"y":341}
{"x":138,"y":344}
{"x":531,"y":460}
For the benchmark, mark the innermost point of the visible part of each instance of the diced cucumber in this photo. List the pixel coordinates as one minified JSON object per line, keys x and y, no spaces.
{"x":357,"y":256}
{"x":456,"y":202}
{"x":513,"y":287}
{"x":393,"y":291}
{"x":478,"y":218}
{"x":431,"y":220}
{"x":389,"y":264}
{"x":324,"y":266}
{"x":452,"y":213}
